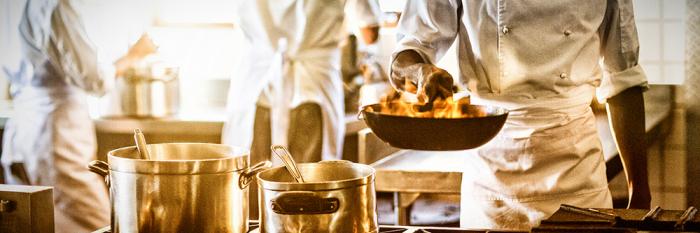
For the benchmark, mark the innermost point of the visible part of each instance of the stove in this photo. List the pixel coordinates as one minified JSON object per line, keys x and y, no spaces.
{"x":254,"y":228}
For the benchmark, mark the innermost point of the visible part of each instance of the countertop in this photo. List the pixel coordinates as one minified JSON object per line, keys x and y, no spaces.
{"x":205,"y":121}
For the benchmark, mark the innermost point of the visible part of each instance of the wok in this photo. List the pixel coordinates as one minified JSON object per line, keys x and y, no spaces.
{"x":481,"y":124}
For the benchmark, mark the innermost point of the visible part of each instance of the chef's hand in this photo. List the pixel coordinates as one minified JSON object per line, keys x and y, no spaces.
{"x":409,"y":72}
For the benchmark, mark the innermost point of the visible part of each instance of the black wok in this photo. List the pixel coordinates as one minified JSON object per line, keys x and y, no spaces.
{"x":424,"y":133}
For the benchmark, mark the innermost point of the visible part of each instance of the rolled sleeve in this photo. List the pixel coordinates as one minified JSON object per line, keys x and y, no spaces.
{"x":614,"y":83}
{"x":620,"y":48}
{"x":429,"y":27}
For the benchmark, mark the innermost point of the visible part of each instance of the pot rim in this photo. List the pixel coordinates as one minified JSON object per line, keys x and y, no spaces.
{"x":233,"y":159}
{"x":317,"y":186}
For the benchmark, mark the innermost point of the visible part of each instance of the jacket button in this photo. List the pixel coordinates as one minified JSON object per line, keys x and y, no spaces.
{"x":506,"y":30}
{"x":567,"y":33}
{"x":563,"y":75}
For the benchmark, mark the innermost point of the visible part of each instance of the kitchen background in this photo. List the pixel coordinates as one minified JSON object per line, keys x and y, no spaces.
{"x":201,"y":37}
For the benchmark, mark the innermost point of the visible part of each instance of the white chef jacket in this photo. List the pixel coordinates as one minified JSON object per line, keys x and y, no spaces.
{"x":293,"y":58}
{"x":542,"y":60}
{"x":50,"y":132}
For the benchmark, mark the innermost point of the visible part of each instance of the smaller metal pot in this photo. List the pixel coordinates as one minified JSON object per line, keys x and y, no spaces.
{"x":183,"y":187}
{"x":337,"y":196}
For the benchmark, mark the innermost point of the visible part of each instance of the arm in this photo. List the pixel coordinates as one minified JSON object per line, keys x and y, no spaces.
{"x":426,"y":30}
{"x":368,"y":16}
{"x":626,"y":115}
{"x":71,"y":51}
{"x":621,"y":86}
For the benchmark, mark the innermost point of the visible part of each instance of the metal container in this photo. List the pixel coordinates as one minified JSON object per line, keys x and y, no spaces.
{"x":481,"y":124}
{"x":184,"y":187}
{"x":338,"y":196}
{"x":152,"y":92}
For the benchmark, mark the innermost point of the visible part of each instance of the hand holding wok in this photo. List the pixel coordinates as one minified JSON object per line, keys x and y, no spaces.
{"x":409,"y":72}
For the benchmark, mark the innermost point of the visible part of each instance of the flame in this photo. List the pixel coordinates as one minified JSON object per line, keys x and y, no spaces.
{"x":395,"y":103}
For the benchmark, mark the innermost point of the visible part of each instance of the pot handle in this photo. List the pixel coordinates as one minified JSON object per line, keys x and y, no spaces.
{"x":100,"y":168}
{"x":248,"y":174}
{"x":304,"y":202}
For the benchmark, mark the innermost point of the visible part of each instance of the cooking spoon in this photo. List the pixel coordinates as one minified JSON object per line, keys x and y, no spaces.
{"x":141,"y":144}
{"x":288,"y":161}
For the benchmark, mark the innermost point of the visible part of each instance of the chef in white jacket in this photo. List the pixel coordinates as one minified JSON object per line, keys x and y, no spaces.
{"x":289,"y":82}
{"x":543,"y":61}
{"x":50,"y":138}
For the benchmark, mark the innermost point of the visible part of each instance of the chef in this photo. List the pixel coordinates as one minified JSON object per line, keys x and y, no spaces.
{"x":544,"y":61}
{"x":50,"y":138}
{"x":289,"y":90}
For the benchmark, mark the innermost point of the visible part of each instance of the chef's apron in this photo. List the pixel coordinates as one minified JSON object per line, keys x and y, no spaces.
{"x":49,"y":141}
{"x":287,"y":73}
{"x":50,"y":138}
{"x":547,"y":153}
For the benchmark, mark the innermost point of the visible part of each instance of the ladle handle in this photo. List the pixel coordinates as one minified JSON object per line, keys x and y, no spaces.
{"x":141,"y":144}
{"x":288,"y":161}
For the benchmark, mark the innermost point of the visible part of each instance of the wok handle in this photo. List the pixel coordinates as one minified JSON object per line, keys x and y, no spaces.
{"x":248,"y":174}
{"x":100,"y":168}
{"x":303,"y":202}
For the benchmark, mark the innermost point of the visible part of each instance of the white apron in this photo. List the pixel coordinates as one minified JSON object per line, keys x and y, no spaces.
{"x":294,"y":58}
{"x":544,"y":156}
{"x":52,"y":135}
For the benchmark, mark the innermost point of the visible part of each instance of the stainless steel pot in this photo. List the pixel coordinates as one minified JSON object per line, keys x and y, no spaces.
{"x":184,"y":187}
{"x":337,"y":196}
{"x":154,"y":92}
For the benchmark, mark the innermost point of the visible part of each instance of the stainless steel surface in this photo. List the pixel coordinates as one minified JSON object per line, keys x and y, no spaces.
{"x":26,"y":209}
{"x":409,"y":173}
{"x":254,"y":228}
{"x":288,"y":161}
{"x":184,"y":187}
{"x":338,"y":196}
{"x":157,"y":95}
{"x":421,"y":171}
{"x":141,"y":144}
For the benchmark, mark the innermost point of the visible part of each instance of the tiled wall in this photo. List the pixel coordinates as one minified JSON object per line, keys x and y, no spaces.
{"x":661,"y":27}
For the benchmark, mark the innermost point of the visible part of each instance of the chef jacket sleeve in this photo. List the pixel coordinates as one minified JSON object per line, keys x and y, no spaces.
{"x":429,"y":27}
{"x":620,"y":51}
{"x":71,"y":52}
{"x":367,"y":13}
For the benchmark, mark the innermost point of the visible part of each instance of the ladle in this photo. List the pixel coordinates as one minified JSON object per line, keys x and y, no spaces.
{"x":141,"y":144}
{"x":288,"y":161}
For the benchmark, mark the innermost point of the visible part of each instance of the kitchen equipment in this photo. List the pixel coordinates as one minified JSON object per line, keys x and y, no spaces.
{"x":141,"y":144}
{"x":184,"y":187}
{"x":150,"y":91}
{"x":481,"y":124}
{"x":574,"y":219}
{"x":338,"y":196}
{"x":254,"y":228}
{"x":26,"y":208}
{"x":288,"y":161}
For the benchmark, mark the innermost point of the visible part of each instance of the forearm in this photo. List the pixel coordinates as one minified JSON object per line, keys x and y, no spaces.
{"x":626,"y":115}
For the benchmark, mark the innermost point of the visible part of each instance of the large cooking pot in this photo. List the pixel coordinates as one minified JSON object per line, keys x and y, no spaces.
{"x":338,"y":196}
{"x":149,"y":92}
{"x":479,"y":125}
{"x":184,"y":187}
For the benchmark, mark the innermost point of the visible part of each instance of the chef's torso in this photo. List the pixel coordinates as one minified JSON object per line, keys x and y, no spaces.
{"x":292,"y":58}
{"x":542,"y":61}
